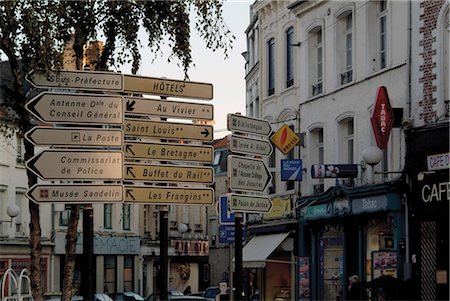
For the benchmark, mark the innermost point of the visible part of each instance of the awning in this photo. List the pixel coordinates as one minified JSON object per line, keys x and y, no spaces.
{"x":259,"y":248}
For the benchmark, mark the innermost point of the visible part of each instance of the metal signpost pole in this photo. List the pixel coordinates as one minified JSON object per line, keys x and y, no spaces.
{"x":238,"y":256}
{"x":89,"y":277}
{"x":164,"y":254}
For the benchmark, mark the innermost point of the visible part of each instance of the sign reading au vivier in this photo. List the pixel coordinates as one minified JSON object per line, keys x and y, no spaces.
{"x":250,"y":125}
{"x":382,"y":118}
{"x":169,"y":195}
{"x":248,"y":174}
{"x":73,"y":193}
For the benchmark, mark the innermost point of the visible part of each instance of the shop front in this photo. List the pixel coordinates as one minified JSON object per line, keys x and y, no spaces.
{"x":428,"y":165}
{"x":345,"y":232}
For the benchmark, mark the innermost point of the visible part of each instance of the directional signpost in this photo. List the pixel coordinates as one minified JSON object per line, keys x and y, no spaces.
{"x":77,"y":165}
{"x":249,"y":203}
{"x":248,"y":174}
{"x":156,"y":107}
{"x":168,"y":130}
{"x":69,"y":136}
{"x":169,"y":152}
{"x":250,"y":146}
{"x":169,"y":195}
{"x":66,"y":108}
{"x":239,"y":123}
{"x":71,"y":193}
{"x":169,"y":173}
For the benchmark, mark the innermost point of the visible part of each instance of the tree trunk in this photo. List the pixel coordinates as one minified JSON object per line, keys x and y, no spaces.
{"x":69,"y":265}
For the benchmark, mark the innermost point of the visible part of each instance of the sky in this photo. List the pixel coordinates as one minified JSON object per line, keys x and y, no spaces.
{"x":226,"y":75}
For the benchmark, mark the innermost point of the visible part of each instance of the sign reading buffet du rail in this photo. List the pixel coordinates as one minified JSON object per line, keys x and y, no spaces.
{"x":100,"y":142}
{"x":245,"y":172}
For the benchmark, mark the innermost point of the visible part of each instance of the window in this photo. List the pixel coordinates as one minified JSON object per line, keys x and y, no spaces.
{"x":317,"y":155}
{"x":319,"y":144}
{"x":377,"y":14}
{"x":344,"y":47}
{"x":271,"y":67}
{"x":382,"y":33}
{"x":64,"y":218}
{"x":128,"y":272}
{"x":316,"y":61}
{"x":20,"y":159}
{"x":446,"y":65}
{"x":109,"y":269}
{"x":289,"y":57}
{"x":346,"y":141}
{"x":126,"y":216}
{"x":217,"y":158}
{"x":272,"y":187}
{"x":107,"y":215}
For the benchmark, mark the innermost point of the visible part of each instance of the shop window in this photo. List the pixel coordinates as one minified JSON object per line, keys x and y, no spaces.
{"x":128,"y":272}
{"x":109,"y":269}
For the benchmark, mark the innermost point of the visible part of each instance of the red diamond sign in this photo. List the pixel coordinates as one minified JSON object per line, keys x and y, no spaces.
{"x":382,"y":118}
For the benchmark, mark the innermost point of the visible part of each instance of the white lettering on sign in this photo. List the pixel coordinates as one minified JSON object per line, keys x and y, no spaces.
{"x":436,"y":192}
{"x":439,"y":161}
{"x":369,"y":204}
{"x":383,"y":119}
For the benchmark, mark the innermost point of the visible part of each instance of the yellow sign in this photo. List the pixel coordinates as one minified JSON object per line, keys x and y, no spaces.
{"x":169,"y":195}
{"x":280,"y":208}
{"x":285,"y":139}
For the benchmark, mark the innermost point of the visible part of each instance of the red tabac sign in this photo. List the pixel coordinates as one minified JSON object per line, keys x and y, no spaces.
{"x":382,"y":118}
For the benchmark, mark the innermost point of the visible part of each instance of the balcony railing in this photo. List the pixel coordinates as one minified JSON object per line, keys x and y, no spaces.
{"x":316,"y":89}
{"x":346,"y":77}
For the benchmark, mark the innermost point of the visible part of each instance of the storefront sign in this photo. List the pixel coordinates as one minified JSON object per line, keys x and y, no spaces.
{"x":370,"y":204}
{"x":382,"y":118}
{"x":320,"y":171}
{"x":280,"y":208}
{"x":103,"y":245}
{"x":191,"y":247}
{"x":439,"y":161}
{"x":291,"y":170}
{"x":435,"y":192}
{"x":318,"y":211}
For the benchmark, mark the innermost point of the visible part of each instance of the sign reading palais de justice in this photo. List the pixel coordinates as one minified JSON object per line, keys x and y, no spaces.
{"x":166,"y":108}
{"x":77,"y":108}
{"x":86,"y":80}
{"x":73,"y":193}
{"x":249,"y":203}
{"x":250,"y":146}
{"x":248,"y":174}
{"x":77,"y":164}
{"x":169,"y":173}
{"x":250,"y":125}
{"x":69,"y":136}
{"x":169,"y":195}
{"x":169,"y":152}
{"x":168,"y":130}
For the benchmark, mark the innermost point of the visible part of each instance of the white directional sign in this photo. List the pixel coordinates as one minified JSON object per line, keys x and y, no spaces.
{"x":77,"y":108}
{"x":169,"y":195}
{"x":249,"y":203}
{"x":169,"y":173}
{"x":77,"y":165}
{"x":74,"y":193}
{"x":165,"y":108}
{"x":168,"y":130}
{"x":69,"y":136}
{"x":85,"y":80}
{"x":250,"y":125}
{"x":248,"y":174}
{"x":250,"y":146}
{"x":168,"y":87}
{"x":169,"y":152}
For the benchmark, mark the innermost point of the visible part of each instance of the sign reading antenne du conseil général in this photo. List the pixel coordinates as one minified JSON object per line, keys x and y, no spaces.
{"x":111,"y":81}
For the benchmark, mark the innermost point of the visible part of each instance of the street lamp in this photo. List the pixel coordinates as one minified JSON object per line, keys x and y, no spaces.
{"x":13,"y":210}
{"x":372,"y":155}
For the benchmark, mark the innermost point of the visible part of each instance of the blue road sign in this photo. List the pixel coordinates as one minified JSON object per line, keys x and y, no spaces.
{"x":291,"y":170}
{"x":226,"y":234}
{"x":226,"y":217}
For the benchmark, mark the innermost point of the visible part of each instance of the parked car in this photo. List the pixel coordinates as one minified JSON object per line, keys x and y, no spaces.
{"x":155,"y":296}
{"x":211,"y":292}
{"x":57,"y":297}
{"x":128,"y":296}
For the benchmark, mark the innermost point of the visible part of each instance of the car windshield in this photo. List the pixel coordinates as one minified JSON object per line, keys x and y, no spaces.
{"x":211,"y":292}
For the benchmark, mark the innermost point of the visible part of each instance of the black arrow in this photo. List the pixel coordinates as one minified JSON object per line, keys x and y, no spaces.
{"x":130,"y":105}
{"x":205,"y":132}
{"x":129,"y":194}
{"x":130,"y":170}
{"x":128,"y":149}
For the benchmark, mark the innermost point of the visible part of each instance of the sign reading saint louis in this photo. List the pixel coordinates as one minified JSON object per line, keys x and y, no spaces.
{"x":86,"y":80}
{"x":169,"y":195}
{"x":81,"y":164}
{"x":69,"y":136}
{"x":77,"y":108}
{"x":169,"y":130}
{"x":250,"y":125}
{"x":165,"y":108}
{"x":169,"y":152}
{"x":73,"y":193}
{"x":249,"y":203}
{"x":248,"y":174}
{"x":169,"y":173}
{"x":250,"y":146}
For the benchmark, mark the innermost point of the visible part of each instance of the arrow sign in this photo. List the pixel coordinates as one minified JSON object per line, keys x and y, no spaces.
{"x":76,"y":165}
{"x":77,"y":108}
{"x":250,"y":125}
{"x":164,"y":108}
{"x":169,"y":173}
{"x":169,"y":152}
{"x":248,"y":174}
{"x":97,"y":81}
{"x":250,"y":146}
{"x":249,"y":203}
{"x":168,"y":87}
{"x":169,"y":130}
{"x":69,"y":136}
{"x":169,"y":195}
{"x":86,"y":193}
